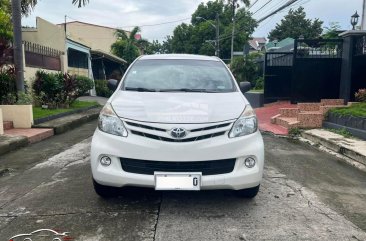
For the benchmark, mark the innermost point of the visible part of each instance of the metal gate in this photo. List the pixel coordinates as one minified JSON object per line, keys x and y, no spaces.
{"x":316,"y":70}
{"x":358,"y":66}
{"x":278,"y":76}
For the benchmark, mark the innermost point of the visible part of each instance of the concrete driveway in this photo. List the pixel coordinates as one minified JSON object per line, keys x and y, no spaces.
{"x":305,"y":195}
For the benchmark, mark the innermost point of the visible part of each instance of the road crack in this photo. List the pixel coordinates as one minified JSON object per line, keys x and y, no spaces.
{"x":316,"y":209}
{"x":158,"y":216}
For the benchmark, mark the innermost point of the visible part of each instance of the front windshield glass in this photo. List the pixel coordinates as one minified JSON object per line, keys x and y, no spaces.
{"x":179,"y":75}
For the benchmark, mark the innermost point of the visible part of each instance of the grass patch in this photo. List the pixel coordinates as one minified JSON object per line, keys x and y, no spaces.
{"x":38,"y":112}
{"x":357,"y":110}
{"x":256,"y":91}
{"x":343,"y":132}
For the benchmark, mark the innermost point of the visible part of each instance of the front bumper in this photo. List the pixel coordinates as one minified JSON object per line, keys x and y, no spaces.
{"x":137,"y":147}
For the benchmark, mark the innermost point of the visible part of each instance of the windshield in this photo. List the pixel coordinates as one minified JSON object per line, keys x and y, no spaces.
{"x":179,"y":75}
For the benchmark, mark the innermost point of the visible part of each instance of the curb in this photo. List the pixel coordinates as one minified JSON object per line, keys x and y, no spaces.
{"x":13,"y":143}
{"x":340,"y":149}
{"x":59,"y":126}
{"x":56,"y":116}
{"x":69,"y":122}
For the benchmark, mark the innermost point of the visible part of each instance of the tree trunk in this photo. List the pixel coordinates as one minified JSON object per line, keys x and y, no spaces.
{"x":18,"y":45}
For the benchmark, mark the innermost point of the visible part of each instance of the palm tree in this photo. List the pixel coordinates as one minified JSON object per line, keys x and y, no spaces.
{"x":80,"y":3}
{"x":27,"y":6}
{"x":127,"y":46}
{"x":141,"y":44}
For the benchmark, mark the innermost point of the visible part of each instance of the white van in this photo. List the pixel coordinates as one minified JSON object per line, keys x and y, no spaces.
{"x":178,"y":122}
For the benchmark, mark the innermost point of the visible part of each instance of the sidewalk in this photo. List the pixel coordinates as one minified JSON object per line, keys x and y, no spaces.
{"x":17,"y":138}
{"x":352,"y":148}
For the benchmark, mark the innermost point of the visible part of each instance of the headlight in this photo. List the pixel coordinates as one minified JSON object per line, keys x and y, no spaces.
{"x":110,"y":123}
{"x":246,"y":124}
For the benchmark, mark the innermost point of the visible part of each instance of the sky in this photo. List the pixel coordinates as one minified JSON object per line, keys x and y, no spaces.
{"x":128,"y":13}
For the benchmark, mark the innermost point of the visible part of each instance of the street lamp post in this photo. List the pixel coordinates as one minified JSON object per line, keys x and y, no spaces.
{"x":354,"y":20}
{"x":217,"y":27}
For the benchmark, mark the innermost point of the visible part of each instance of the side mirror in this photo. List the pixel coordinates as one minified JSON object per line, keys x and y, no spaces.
{"x":245,"y":86}
{"x":112,"y":84}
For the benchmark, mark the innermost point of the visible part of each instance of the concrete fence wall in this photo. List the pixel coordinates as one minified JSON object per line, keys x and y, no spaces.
{"x":20,"y":115}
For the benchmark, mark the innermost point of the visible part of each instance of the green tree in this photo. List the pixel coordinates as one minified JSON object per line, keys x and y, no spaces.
{"x":154,"y":48}
{"x":167,"y":46}
{"x":127,"y":46}
{"x":246,"y":68}
{"x":6,"y":28}
{"x":332,"y":31}
{"x":295,"y":24}
{"x":198,"y":37}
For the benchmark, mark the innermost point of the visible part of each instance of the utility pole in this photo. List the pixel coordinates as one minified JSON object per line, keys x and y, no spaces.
{"x":217,"y":28}
{"x":218,"y":35}
{"x":363,"y":23}
{"x":65,"y":26}
{"x":18,"y":43}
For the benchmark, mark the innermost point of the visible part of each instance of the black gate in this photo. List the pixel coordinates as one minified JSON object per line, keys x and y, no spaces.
{"x":316,"y":70}
{"x":358,"y":66}
{"x":278,"y":76}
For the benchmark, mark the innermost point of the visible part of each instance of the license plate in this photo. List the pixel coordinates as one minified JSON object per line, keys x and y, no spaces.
{"x":177,"y":181}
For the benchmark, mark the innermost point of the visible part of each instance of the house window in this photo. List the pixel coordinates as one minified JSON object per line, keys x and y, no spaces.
{"x":77,"y":59}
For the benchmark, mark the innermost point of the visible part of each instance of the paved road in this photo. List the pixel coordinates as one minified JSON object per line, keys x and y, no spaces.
{"x":305,"y":195}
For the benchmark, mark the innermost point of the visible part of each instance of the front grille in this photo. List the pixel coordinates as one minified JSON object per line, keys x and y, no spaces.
{"x":161,"y":138}
{"x":144,"y":126}
{"x":211,"y":127}
{"x":206,"y":167}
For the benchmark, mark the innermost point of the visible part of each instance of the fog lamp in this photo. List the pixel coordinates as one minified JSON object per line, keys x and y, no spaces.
{"x":105,"y":161}
{"x":249,"y":162}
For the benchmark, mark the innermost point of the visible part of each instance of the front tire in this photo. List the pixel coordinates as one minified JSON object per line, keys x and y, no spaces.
{"x":248,"y":193}
{"x":104,"y":191}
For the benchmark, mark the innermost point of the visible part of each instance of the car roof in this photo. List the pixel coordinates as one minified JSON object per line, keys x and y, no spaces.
{"x":179,"y":56}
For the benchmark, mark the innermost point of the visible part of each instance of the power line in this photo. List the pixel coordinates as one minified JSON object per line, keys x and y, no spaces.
{"x":146,"y":25}
{"x":157,"y":24}
{"x":251,"y":5}
{"x":289,"y":3}
{"x":274,"y":6}
{"x":262,"y":6}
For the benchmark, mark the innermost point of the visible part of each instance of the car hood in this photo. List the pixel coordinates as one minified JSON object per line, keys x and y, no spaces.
{"x":165,"y":107}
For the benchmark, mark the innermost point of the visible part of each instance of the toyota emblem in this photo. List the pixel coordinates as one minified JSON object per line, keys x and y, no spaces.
{"x":178,"y":133}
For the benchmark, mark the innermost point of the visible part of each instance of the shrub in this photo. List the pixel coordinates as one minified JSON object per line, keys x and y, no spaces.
{"x":294,"y":132}
{"x":59,"y":90}
{"x":102,"y":89}
{"x":48,"y":88}
{"x":83,"y":84}
{"x":259,"y":83}
{"x":360,"y":95}
{"x":24,"y":99}
{"x":7,"y":86}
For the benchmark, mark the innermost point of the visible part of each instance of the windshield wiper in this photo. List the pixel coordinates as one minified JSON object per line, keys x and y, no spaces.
{"x":139,"y":89}
{"x":188,"y":90}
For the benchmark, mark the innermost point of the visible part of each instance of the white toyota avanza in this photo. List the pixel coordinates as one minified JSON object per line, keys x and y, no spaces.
{"x":178,"y":122}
